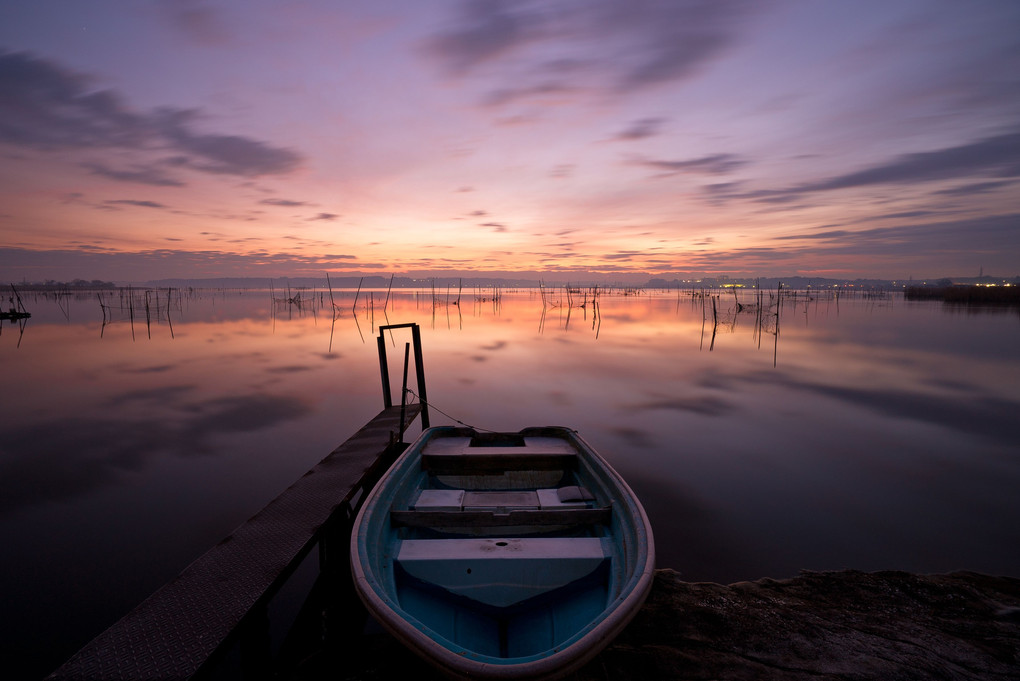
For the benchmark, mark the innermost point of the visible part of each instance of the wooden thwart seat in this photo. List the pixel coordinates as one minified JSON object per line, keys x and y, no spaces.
{"x":500,"y":508}
{"x":497,"y":462}
{"x":567,"y":516}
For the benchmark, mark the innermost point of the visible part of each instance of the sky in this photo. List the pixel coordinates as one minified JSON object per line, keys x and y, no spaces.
{"x":575,"y":139}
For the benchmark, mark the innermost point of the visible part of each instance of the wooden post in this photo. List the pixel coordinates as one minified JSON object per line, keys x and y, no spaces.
{"x":403,"y":391}
{"x":420,"y":373}
{"x":384,"y":370}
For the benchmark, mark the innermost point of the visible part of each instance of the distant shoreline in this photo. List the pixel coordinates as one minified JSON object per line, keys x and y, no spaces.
{"x":377,"y":282}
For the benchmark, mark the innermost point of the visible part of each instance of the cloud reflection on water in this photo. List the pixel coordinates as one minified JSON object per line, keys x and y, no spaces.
{"x":63,"y":458}
{"x":705,"y":406}
{"x":987,"y":417}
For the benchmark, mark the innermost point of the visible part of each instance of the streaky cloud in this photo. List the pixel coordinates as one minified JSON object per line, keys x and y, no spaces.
{"x":822,"y":236}
{"x":669,"y":40}
{"x":713,"y":164}
{"x":507,"y":95}
{"x":641,"y":129}
{"x":485,"y":30}
{"x":132,"y":202}
{"x":998,"y":156}
{"x":48,"y":108}
{"x":150,"y":175}
{"x":286,"y":203}
{"x":974,"y":188}
{"x":43,"y":106}
{"x":992,"y":235}
{"x":226,"y":154}
{"x":626,"y":45}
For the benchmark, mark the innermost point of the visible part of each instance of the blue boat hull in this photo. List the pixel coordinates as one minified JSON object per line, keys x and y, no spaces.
{"x":502,"y":555}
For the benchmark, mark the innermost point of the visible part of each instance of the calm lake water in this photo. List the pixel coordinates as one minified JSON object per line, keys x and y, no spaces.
{"x":872,"y":433}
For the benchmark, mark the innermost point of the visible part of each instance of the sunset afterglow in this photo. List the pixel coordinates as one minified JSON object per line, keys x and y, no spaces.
{"x":569,"y":139}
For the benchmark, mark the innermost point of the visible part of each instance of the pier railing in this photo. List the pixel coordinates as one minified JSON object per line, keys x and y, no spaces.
{"x":419,"y":369}
{"x":220,"y":618}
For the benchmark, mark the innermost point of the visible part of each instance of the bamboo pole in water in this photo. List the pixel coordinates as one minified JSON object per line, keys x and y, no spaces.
{"x":169,"y":295}
{"x":779,"y":308}
{"x":355,"y":308}
{"x":330,"y":287}
{"x":131,"y":311}
{"x":148,"y":317}
{"x":390,"y":287}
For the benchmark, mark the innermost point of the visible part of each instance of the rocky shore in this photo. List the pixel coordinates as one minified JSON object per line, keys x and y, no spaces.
{"x":847,"y":625}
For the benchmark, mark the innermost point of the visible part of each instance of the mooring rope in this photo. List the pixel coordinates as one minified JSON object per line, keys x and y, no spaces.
{"x":432,"y":405}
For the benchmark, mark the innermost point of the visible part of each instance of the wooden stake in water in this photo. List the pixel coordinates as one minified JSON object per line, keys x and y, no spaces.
{"x":355,"y":308}
{"x":169,"y":293}
{"x":330,"y":286}
{"x":388,"y":288}
{"x":779,"y":308}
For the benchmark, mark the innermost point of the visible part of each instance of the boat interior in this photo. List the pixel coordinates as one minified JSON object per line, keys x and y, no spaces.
{"x":503,"y":547}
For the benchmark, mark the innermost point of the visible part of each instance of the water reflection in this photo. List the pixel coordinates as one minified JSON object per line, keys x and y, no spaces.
{"x":68,"y":456}
{"x":766,"y":437}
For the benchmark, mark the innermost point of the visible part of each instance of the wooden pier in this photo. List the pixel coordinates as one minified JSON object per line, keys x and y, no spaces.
{"x":213,"y":620}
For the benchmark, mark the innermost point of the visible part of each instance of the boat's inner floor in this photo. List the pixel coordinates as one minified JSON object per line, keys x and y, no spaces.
{"x":505,"y":553}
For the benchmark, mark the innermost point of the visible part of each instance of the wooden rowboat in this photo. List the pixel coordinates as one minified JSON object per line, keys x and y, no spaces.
{"x":502,"y":555}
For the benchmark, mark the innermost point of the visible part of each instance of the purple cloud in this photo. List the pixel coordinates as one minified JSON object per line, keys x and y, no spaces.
{"x":640,"y":129}
{"x":997,"y":156}
{"x":140,"y":174}
{"x":714,"y":164}
{"x":625,"y":44}
{"x":485,"y":30}
{"x":287,"y":203}
{"x":227,"y":154}
{"x":48,"y":108}
{"x":131,"y":202}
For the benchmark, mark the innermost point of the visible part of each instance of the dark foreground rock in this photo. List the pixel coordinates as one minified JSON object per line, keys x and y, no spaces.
{"x":831,"y":625}
{"x":887,"y":626}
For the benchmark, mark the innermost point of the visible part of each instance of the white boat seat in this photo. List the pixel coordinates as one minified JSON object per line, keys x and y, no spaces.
{"x":440,"y":500}
{"x":565,"y":497}
{"x":501,"y":572}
